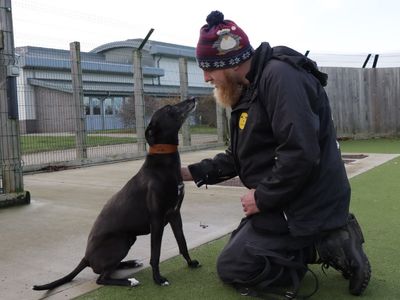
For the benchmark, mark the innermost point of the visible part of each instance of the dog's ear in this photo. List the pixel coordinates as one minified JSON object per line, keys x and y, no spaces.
{"x":150,"y":133}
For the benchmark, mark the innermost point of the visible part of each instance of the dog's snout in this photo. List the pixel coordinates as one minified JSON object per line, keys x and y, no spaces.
{"x":187,"y":106}
{"x":193,"y":101}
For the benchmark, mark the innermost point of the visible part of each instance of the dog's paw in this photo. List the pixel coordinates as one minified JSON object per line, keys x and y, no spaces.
{"x":161,"y":281}
{"x":133,"y":282}
{"x":165,"y":283}
{"x":194,"y":264}
{"x":130,"y":264}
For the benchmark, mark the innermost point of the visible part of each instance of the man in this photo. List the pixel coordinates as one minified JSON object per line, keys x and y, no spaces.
{"x":283,"y":147}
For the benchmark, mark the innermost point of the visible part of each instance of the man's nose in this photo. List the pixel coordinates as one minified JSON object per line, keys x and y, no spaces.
{"x":207,"y":77}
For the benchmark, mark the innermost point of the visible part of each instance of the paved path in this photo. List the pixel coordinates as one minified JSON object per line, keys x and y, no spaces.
{"x":45,"y":240}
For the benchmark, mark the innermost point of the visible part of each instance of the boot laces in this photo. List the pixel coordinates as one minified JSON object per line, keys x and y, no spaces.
{"x":337,"y":263}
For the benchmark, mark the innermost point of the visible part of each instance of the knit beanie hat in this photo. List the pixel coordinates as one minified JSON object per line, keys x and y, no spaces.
{"x":222,"y":44}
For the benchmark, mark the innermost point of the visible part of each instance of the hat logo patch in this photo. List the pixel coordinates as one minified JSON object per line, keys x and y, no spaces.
{"x":227,"y":41}
{"x":243,"y":120}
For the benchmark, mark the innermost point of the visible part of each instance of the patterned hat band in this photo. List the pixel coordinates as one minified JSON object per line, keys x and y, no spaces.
{"x":224,"y":62}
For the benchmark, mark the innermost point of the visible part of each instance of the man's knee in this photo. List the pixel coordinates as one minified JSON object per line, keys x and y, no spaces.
{"x":236,"y":265}
{"x":225,"y":267}
{"x":221,"y":270}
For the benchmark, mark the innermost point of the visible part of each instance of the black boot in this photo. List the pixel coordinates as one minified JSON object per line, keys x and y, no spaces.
{"x":342,"y":250}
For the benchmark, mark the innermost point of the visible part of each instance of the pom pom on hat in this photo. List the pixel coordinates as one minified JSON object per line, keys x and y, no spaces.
{"x":222,"y":44}
{"x":214,"y":18}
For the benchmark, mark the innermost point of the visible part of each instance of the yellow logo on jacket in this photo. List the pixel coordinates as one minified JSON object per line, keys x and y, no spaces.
{"x":243,"y":120}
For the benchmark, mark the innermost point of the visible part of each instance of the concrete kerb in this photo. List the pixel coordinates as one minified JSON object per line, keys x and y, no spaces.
{"x":46,"y":239}
{"x":372,"y":160}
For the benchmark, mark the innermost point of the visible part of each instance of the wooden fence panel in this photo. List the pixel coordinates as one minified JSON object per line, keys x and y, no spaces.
{"x":365,"y":102}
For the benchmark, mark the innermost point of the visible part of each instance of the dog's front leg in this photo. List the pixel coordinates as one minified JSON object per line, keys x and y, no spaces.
{"x":157,"y":230}
{"x":175,"y":220}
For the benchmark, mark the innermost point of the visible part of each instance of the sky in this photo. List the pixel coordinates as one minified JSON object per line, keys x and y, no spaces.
{"x":321,"y":26}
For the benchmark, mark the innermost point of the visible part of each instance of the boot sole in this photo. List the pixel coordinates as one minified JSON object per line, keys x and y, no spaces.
{"x":359,"y":280}
{"x":358,"y":289}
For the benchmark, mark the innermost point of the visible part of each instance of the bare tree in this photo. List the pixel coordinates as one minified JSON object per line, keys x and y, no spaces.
{"x":152,"y":103}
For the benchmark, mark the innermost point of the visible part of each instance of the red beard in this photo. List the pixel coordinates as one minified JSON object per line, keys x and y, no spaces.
{"x":228,"y":94}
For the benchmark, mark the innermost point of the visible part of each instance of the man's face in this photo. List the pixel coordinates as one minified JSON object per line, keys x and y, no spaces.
{"x":227,"y":85}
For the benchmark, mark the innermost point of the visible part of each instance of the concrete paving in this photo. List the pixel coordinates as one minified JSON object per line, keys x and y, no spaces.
{"x":45,"y":240}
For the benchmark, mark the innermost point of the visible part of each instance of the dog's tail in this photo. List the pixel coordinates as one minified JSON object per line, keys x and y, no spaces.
{"x":82,"y":265}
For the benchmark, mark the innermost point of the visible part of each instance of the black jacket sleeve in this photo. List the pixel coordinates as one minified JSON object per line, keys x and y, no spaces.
{"x":212,"y":171}
{"x":287,"y":95}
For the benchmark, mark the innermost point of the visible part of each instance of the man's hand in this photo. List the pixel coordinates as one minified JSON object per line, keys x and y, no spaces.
{"x":186,"y":176}
{"x":249,"y":203}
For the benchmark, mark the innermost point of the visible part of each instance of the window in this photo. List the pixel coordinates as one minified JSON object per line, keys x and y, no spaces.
{"x":103,"y":106}
{"x":86,"y":104}
{"x":118,"y":101}
{"x":108,"y":106}
{"x":96,"y":104}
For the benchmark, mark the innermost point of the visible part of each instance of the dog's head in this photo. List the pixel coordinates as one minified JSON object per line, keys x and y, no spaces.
{"x":166,"y":122}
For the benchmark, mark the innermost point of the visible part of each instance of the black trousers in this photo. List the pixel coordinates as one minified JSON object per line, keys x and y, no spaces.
{"x":264,"y":259}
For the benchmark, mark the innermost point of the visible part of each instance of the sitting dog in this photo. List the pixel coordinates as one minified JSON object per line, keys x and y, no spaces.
{"x":148,"y":201}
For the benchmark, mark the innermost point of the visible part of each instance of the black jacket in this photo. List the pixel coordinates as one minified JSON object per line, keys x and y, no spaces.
{"x":283,"y":144}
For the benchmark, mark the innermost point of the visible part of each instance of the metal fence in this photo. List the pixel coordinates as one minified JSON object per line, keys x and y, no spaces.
{"x":67,"y":108}
{"x":364,"y":103}
{"x":11,"y":186}
{"x":81,"y":108}
{"x":62,"y":108}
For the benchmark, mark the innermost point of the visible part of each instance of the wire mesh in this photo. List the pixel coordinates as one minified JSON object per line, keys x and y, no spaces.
{"x":48,"y":116}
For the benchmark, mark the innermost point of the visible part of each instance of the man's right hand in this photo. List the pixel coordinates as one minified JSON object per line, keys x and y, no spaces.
{"x":186,"y":175}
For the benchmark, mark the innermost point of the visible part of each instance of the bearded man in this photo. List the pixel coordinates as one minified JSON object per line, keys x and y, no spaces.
{"x":283,"y":147}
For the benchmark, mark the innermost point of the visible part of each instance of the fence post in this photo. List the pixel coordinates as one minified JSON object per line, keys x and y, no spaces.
{"x":220,"y":123}
{"x":12,"y":187}
{"x":184,"y":82}
{"x":139,"y":102}
{"x":223,"y":120}
{"x":77,"y":94}
{"x":227,"y":122}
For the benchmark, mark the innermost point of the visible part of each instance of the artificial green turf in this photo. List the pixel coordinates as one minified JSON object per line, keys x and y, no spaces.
{"x":378,"y":145}
{"x":376,"y":203}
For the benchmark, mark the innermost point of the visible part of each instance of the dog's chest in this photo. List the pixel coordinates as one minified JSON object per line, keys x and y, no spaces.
{"x":177,"y":198}
{"x":180,"y":195}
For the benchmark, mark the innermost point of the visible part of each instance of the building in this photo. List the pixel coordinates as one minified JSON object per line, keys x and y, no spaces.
{"x":45,"y":86}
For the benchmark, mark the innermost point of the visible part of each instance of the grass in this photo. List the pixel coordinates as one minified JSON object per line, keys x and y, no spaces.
{"x":203,"y":129}
{"x":381,"y":145}
{"x":34,"y":144}
{"x":42,"y":143}
{"x":120,"y":130}
{"x":375,"y":202}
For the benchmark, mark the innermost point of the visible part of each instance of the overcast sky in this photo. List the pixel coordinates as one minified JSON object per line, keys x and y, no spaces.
{"x":323,"y":26}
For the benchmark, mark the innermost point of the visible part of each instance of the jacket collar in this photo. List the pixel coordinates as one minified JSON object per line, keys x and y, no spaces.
{"x":262,"y":55}
{"x":260,"y":58}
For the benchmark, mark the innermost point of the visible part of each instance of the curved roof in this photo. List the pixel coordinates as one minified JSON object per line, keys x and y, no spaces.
{"x":120,"y":44}
{"x":45,"y":58}
{"x":93,"y":88}
{"x":153,"y":47}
